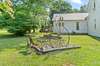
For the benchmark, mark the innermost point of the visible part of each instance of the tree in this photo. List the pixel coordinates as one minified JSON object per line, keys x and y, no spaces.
{"x":3,"y":20}
{"x":75,"y":10}
{"x":7,"y":7}
{"x":28,"y":16}
{"x":83,"y":9}
{"x":60,"y":6}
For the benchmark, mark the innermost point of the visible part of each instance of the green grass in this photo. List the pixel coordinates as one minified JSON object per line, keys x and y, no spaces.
{"x":14,"y":53}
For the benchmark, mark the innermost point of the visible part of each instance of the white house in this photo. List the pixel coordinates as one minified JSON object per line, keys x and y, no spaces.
{"x":94,"y":17}
{"x":78,"y":22}
{"x":71,"y":22}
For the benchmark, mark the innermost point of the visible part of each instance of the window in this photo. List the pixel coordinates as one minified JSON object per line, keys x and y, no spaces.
{"x":95,"y":24}
{"x":94,"y":5}
{"x":61,"y":18}
{"x":62,"y":24}
{"x":77,"y":26}
{"x":59,"y":24}
{"x":56,"y":24}
{"x":86,"y":18}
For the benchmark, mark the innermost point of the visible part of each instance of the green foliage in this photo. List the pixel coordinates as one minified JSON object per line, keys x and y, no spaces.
{"x":4,"y":20}
{"x":7,"y":7}
{"x":29,"y":14}
{"x":76,"y":11}
{"x":22,"y":23}
{"x":83,"y":9}
{"x":60,"y":6}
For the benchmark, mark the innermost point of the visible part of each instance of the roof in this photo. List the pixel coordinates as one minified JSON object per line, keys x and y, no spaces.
{"x":70,"y":16}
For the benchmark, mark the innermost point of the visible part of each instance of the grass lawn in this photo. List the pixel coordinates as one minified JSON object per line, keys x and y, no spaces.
{"x":12,"y":53}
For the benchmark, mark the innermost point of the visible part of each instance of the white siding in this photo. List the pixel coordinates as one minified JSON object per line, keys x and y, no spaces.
{"x":94,"y":17}
{"x":71,"y":26}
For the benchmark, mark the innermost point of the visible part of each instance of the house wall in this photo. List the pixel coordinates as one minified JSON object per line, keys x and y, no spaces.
{"x":94,"y":18}
{"x":71,"y":27}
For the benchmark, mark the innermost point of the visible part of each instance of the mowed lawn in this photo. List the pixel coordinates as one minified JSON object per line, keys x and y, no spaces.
{"x":13,"y":52}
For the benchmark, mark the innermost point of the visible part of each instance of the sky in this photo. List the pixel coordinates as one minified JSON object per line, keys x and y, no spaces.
{"x":77,"y":3}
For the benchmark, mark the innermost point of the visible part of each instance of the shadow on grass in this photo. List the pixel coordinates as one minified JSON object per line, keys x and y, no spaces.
{"x":25,"y":52}
{"x":9,"y":36}
{"x":96,"y":38}
{"x":10,"y":41}
{"x":54,"y":54}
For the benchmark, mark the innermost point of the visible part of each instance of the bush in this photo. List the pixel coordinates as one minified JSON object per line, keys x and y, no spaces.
{"x":17,"y":32}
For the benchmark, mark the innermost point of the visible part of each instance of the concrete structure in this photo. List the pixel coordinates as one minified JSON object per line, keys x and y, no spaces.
{"x":74,"y":22}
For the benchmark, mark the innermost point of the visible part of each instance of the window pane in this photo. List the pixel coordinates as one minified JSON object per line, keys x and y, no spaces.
{"x":62,"y":24}
{"x":77,"y":26}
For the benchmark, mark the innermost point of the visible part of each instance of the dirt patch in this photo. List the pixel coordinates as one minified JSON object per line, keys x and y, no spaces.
{"x":68,"y":64}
